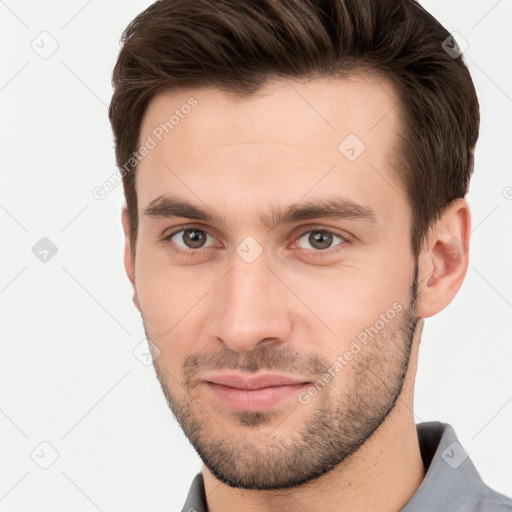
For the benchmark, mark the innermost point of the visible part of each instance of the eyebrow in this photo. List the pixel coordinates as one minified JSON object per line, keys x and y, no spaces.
{"x":336,"y":208}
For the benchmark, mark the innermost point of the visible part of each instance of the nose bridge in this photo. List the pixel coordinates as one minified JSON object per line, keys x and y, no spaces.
{"x":252,"y":305}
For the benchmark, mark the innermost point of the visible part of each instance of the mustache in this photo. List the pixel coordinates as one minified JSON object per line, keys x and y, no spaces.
{"x":285,"y":359}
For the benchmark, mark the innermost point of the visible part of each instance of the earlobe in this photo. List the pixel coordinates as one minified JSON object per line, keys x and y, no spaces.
{"x":444,"y":259}
{"x":129,"y":255}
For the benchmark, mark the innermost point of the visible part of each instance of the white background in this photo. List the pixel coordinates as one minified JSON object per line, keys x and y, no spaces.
{"x":68,"y":373}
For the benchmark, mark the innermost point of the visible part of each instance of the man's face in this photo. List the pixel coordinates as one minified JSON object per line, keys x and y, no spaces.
{"x":326,"y":300}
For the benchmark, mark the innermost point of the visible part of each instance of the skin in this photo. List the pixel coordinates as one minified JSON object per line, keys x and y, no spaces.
{"x":354,"y":445}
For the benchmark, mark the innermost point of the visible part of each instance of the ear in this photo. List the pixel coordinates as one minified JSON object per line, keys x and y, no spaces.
{"x":444,"y":259}
{"x":129,"y":255}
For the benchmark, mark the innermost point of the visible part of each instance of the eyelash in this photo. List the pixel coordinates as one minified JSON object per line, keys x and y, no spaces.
{"x":311,"y":252}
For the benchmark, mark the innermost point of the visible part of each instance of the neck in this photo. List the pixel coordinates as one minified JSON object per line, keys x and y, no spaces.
{"x":382,"y":475}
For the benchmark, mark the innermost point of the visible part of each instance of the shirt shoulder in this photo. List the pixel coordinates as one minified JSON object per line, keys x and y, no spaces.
{"x":451,"y":481}
{"x":195,"y":501}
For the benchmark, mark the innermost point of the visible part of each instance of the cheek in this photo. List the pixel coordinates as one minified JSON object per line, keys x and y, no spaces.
{"x":161,"y":302}
{"x":169,"y":295}
{"x":156,"y":281}
{"x":349,"y":299}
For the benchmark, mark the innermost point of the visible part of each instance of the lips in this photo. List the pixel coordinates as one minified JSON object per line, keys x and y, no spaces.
{"x":255,"y":393}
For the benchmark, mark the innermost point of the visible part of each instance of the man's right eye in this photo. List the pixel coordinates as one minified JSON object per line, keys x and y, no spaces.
{"x":190,"y":238}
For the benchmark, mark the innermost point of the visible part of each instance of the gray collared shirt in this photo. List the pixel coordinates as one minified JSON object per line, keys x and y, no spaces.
{"x":451,"y":483}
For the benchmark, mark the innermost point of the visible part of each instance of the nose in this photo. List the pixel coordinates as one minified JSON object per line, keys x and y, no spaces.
{"x":253,"y":306}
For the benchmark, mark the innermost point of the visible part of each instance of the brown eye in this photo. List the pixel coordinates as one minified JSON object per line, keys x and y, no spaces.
{"x":190,"y":238}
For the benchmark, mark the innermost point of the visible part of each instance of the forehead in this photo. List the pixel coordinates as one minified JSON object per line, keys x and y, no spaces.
{"x":330,"y":105}
{"x":288,"y":139}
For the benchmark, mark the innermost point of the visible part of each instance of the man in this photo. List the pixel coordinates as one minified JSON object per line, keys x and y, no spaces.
{"x":295,"y":175}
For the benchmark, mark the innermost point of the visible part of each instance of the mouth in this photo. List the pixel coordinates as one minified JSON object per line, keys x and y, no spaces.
{"x":254,"y":394}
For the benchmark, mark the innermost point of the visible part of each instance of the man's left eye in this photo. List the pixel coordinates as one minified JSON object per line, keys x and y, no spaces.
{"x":320,"y":239}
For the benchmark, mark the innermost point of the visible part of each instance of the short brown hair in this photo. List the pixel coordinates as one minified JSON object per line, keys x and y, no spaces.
{"x":239,"y":45}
